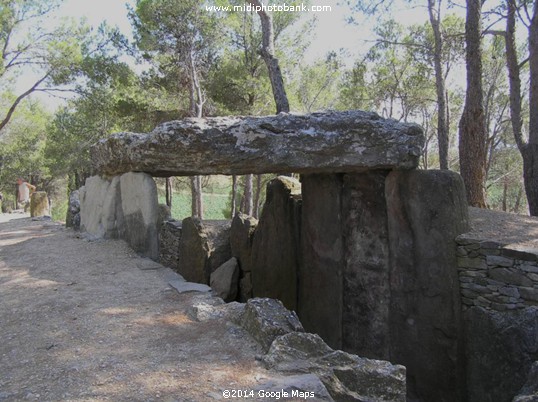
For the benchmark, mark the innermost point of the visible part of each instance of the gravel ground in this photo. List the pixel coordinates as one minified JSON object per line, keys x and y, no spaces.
{"x":91,"y":321}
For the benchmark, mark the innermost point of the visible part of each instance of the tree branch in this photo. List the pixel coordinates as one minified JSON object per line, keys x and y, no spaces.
{"x":18,"y":100}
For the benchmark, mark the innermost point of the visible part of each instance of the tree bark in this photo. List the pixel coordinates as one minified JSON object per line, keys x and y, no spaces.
{"x":257,"y":196}
{"x":197,"y":109}
{"x":529,"y":150}
{"x":472,"y":126}
{"x":234,"y":195}
{"x":168,"y":186}
{"x":434,"y":10}
{"x":268,"y":54}
{"x":18,"y":100}
{"x":530,"y":155}
{"x":514,"y":77}
{"x":197,"y":208}
{"x":248,"y":195}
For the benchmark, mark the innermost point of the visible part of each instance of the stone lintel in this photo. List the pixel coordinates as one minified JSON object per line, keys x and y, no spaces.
{"x":329,"y":142}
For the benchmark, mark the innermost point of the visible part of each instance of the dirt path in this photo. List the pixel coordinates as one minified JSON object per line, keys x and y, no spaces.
{"x":91,"y":321}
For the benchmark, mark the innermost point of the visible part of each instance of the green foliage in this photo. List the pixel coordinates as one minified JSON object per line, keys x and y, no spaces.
{"x":316,"y":88}
{"x":22,"y":148}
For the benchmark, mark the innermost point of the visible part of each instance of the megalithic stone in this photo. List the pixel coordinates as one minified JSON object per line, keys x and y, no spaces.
{"x":39,"y":204}
{"x":315,"y":143}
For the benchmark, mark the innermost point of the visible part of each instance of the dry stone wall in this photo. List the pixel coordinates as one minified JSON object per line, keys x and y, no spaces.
{"x":497,"y":276}
{"x":169,"y":237}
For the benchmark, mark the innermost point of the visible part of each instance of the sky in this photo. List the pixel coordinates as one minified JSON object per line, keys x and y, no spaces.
{"x":332,"y":32}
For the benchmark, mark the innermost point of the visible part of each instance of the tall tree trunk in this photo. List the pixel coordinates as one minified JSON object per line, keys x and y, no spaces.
{"x":257,"y":196}
{"x":197,"y":208}
{"x":529,"y":150}
{"x":248,"y":195}
{"x":530,"y":156}
{"x":234,"y":195}
{"x":473,"y":136}
{"x":505,"y":194}
{"x":517,"y":204}
{"x":168,"y":185}
{"x":268,"y":54}
{"x":197,"y":108}
{"x":434,"y":10}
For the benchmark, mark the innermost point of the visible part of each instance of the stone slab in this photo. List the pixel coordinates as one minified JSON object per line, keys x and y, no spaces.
{"x":314,"y":143}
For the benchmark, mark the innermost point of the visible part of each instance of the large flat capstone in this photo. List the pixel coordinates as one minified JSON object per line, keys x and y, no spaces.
{"x":314,"y":143}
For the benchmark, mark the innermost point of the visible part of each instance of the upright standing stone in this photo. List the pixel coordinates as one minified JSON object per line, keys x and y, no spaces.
{"x":101,"y":214}
{"x":141,"y":212}
{"x":193,"y":251}
{"x":366,"y":292}
{"x":204,"y":246}
{"x":500,"y":350}
{"x":275,"y":246}
{"x":241,"y":239}
{"x":321,"y":283}
{"x":72,"y":218}
{"x":39,"y":204}
{"x":426,"y":211}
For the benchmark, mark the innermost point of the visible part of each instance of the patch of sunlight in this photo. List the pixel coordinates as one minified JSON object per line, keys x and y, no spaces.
{"x":25,"y":280}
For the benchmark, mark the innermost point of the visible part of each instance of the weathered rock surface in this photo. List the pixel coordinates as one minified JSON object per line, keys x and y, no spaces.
{"x":39,"y":204}
{"x":225,"y":280}
{"x":245,"y":287}
{"x":427,"y":210}
{"x":315,"y":143}
{"x":529,"y":391}
{"x":241,"y":238}
{"x":169,"y":237}
{"x":140,"y":209}
{"x":164,"y":214}
{"x":100,"y":207}
{"x":320,"y":293}
{"x":72,"y":218}
{"x":275,"y":246}
{"x":194,"y":251}
{"x":347,"y":377}
{"x":203,"y":247}
{"x":500,"y":350}
{"x":266,"y":319}
{"x":300,"y":387}
{"x":366,"y":273}
{"x":211,"y":310}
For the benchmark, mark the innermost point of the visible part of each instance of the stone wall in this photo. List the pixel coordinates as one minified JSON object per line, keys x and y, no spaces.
{"x":169,"y":237}
{"x":497,"y":276}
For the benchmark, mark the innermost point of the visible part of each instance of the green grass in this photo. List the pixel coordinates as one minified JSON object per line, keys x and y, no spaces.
{"x":214,"y":205}
{"x":59,"y":211}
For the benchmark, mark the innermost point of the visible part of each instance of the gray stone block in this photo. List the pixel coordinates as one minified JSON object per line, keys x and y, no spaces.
{"x":314,"y":143}
{"x":225,"y":280}
{"x":241,"y":238}
{"x":140,"y":209}
{"x":275,"y":247}
{"x":427,"y":210}
{"x":529,"y":293}
{"x":500,"y":349}
{"x":266,"y":319}
{"x":510,"y":276}
{"x":493,"y":260}
{"x":472,"y":263}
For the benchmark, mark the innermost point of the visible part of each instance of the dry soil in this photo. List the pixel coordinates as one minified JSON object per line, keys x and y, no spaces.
{"x":91,"y":321}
